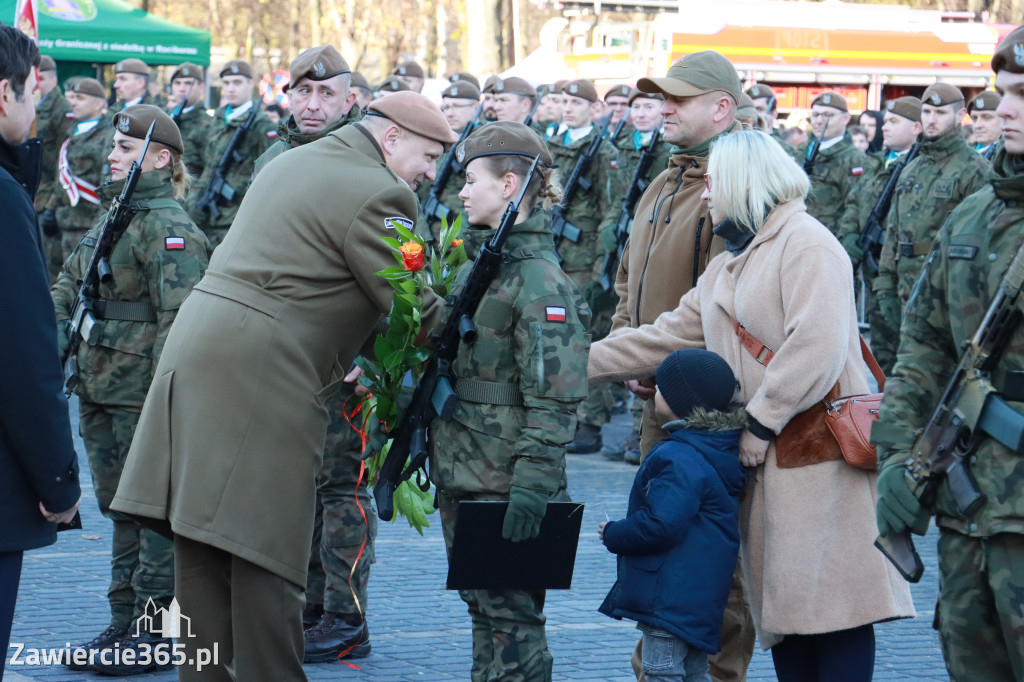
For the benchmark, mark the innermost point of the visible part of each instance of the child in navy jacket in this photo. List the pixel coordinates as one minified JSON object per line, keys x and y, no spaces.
{"x":679,"y":542}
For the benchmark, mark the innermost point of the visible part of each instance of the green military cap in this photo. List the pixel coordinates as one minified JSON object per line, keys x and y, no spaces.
{"x":622,"y":90}
{"x":464,"y":77}
{"x":416,"y":113}
{"x":87,"y":86}
{"x":46,"y":63}
{"x":831,"y":99}
{"x":516,"y":86}
{"x":237,"y":67}
{"x":908,"y":107}
{"x":636,"y":94}
{"x":988,"y":100}
{"x":502,"y":137}
{"x":410,"y":69}
{"x":317,"y":64}
{"x":135,"y":122}
{"x":1009,"y":56}
{"x":580,"y":88}
{"x":760,"y":90}
{"x":359,"y":81}
{"x":940,"y":94}
{"x":392,"y":84}
{"x":189,"y":70}
{"x":132,"y":65}
{"x":745,"y":107}
{"x":462,"y":90}
{"x":490,"y":83}
{"x":696,"y":74}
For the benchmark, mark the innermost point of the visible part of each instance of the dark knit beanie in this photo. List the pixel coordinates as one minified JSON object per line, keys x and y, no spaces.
{"x":695,"y":377}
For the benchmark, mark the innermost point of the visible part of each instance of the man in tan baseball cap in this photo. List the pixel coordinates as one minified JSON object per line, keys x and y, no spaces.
{"x":131,"y":83}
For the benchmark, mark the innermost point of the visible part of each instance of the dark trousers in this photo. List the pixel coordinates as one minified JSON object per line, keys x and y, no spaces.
{"x":846,"y":655}
{"x":10,"y":577}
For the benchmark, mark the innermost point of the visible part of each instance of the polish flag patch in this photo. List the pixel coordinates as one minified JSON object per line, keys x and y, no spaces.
{"x":615,"y":164}
{"x":555,"y":313}
{"x":272,"y":134}
{"x":859,"y":170}
{"x":174,"y":243}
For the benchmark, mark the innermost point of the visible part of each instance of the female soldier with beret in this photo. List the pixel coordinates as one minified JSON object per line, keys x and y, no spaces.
{"x":519,"y":385}
{"x":155,"y":264}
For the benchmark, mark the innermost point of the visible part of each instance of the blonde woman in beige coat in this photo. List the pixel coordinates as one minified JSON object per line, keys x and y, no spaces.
{"x":816,"y":584}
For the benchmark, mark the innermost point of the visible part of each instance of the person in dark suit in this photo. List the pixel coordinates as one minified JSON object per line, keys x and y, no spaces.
{"x":38,"y":465}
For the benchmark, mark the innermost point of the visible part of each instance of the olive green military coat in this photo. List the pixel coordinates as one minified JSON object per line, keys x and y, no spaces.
{"x":232,"y":433}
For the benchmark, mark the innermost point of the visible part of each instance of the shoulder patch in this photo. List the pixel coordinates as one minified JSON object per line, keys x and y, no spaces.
{"x":961,"y":252}
{"x":401,"y":220}
{"x":944,"y":189}
{"x":615,"y":164}
{"x":859,"y":170}
{"x":174,"y":243}
{"x":554,"y":313}
{"x":272,"y":134}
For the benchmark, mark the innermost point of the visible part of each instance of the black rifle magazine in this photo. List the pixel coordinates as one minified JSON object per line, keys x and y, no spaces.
{"x":483,"y":560}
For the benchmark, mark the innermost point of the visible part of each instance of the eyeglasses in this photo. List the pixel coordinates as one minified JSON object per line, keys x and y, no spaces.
{"x":821,"y":114}
{"x":453,"y":107}
{"x":707,"y":181}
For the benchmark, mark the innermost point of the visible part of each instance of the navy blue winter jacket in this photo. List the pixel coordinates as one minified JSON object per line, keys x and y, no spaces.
{"x":678,"y":544}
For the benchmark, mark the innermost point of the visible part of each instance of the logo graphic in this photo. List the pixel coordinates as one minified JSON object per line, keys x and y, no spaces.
{"x":826,"y":99}
{"x":755,"y":91}
{"x":460,"y":152}
{"x":979,"y":103}
{"x":1018,"y":54}
{"x":319,"y":70}
{"x":234,"y":68}
{"x":69,"y":10}
{"x":935,"y":99}
{"x":891,"y":105}
{"x":499,"y":87}
{"x":123,"y":125}
{"x":164,"y":622}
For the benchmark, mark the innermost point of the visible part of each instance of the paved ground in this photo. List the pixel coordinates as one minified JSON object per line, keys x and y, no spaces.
{"x":419,"y":630}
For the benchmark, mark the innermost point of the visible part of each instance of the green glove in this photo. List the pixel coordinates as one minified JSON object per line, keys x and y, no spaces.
{"x":856,"y":253}
{"x":897,"y":508}
{"x":526,"y":509}
{"x":609,"y":241}
{"x":62,"y":338}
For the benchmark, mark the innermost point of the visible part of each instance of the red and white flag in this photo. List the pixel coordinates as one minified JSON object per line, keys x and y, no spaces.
{"x":174,"y":243}
{"x":75,"y":187}
{"x":25,"y":16}
{"x":555,"y":313}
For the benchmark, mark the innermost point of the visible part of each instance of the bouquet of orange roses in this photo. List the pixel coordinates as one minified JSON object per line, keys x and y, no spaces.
{"x":399,"y":361}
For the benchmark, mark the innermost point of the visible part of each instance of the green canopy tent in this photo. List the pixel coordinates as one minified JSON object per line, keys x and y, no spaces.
{"x":96,"y":32}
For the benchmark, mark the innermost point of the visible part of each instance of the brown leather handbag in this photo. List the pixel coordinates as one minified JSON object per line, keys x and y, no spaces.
{"x":837,"y":427}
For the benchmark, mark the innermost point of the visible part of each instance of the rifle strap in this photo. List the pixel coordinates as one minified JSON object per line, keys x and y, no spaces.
{"x":129,"y":311}
{"x":488,"y":392}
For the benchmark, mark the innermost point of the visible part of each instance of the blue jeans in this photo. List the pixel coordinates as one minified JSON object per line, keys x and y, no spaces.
{"x":666,"y":657}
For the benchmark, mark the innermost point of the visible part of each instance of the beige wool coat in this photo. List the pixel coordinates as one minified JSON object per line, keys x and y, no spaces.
{"x":807,"y":533}
{"x":232,"y":432}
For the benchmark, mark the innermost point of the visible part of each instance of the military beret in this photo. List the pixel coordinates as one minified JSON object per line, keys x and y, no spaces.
{"x":760,"y":90}
{"x":557,"y":86}
{"x":135,"y":122}
{"x":516,"y":86}
{"x":414,"y":112}
{"x":46,"y":63}
{"x":490,"y":83}
{"x":581,"y":88}
{"x":359,"y":81}
{"x":392,"y":84}
{"x":410,"y":69}
{"x":940,"y":94}
{"x":237,"y":67}
{"x":907,"y":107}
{"x":985,"y":101}
{"x":462,"y":90}
{"x":317,"y":64}
{"x":502,"y":137}
{"x":696,"y":74}
{"x":464,"y":77}
{"x":622,"y":90}
{"x":188,"y":70}
{"x":831,"y":99}
{"x":87,"y":86}
{"x":746,"y":107}
{"x":635,"y":94}
{"x":1009,"y":55}
{"x":132,"y":65}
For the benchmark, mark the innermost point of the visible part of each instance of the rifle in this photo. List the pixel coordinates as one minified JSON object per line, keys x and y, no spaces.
{"x":812,"y":154}
{"x":991,"y":151}
{"x":970,"y":409}
{"x":561,"y":227}
{"x":637,"y":186}
{"x":434,"y":395}
{"x":873,"y":234}
{"x":432,"y":207}
{"x":89,"y":307}
{"x":218,"y":186}
{"x":618,"y":128}
{"x":533,"y":110}
{"x":176,"y":116}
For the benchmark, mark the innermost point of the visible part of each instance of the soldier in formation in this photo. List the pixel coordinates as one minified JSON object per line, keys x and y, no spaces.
{"x":54,"y":121}
{"x":616,"y":103}
{"x":987,"y":127}
{"x":363,"y":92}
{"x":131,"y":84}
{"x":155,"y":264}
{"x":188,"y":87}
{"x":981,"y":575}
{"x":411,"y":74}
{"x":767,"y":106}
{"x":514,"y":100}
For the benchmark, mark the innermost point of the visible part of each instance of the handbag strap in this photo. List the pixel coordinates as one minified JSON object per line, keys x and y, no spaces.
{"x":763,"y":354}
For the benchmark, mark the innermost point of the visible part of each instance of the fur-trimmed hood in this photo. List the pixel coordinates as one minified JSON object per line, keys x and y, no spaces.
{"x":735,"y":417}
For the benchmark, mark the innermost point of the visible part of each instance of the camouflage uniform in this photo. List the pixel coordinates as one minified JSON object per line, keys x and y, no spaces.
{"x":257,"y":140}
{"x":945,"y":172}
{"x":195,"y":128}
{"x":54,"y":123}
{"x":87,"y":157}
{"x":835,"y":173}
{"x":430,"y":227}
{"x":488,"y":447}
{"x":629,"y":145}
{"x":289,"y":137}
{"x":594,"y":212}
{"x":981,"y":558}
{"x":117,"y":371}
{"x":787,"y":147}
{"x":147,"y":98}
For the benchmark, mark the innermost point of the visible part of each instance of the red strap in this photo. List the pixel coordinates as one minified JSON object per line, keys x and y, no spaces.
{"x":762,"y":353}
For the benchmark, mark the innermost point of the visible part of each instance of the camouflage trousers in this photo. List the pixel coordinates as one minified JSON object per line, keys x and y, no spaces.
{"x":596,"y":408}
{"x":885,"y":338}
{"x":980,"y":612}
{"x":345,"y":525}
{"x":142,"y":561}
{"x":69,"y":240}
{"x":509,"y":641}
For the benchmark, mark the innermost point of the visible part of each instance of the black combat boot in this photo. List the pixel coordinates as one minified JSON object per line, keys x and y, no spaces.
{"x":336,"y":637}
{"x":587,"y":440}
{"x":616,"y":453}
{"x":311,"y":614}
{"x":101,"y":641}
{"x":122,"y":658}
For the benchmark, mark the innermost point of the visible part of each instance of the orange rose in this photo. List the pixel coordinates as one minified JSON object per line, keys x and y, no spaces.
{"x":455,"y":243}
{"x":413,"y":258}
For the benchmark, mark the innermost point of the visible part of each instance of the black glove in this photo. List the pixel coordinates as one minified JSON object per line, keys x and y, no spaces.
{"x":50,"y":227}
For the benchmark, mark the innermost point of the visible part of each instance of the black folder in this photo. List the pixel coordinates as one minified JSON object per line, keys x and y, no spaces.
{"x":482,"y":560}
